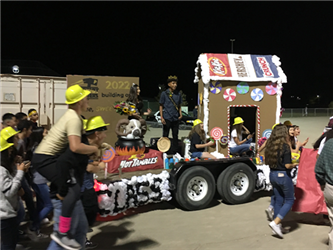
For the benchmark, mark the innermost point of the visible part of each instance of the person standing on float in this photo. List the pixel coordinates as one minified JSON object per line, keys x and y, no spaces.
{"x":171,"y":112}
{"x":65,"y":133}
{"x":135,"y":98}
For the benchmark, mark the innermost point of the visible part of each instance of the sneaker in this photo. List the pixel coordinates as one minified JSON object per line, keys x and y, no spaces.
{"x":42,"y":236}
{"x":65,"y":240}
{"x":32,"y":235}
{"x":270,"y":213}
{"x":283,"y":230}
{"x":90,"y":244}
{"x":276,"y":229}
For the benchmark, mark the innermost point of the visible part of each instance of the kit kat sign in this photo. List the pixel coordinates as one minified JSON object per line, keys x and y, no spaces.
{"x":219,"y":65}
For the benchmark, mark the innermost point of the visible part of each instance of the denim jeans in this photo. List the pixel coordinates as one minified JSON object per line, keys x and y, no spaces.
{"x":196,"y":155}
{"x":44,"y":204}
{"x":283,"y":188}
{"x":79,"y":224}
{"x":241,"y":148}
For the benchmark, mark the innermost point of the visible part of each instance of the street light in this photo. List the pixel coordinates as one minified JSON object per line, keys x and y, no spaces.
{"x":232,"y":45}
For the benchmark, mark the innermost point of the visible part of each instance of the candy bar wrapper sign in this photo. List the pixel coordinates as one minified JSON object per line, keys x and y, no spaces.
{"x":153,"y":159}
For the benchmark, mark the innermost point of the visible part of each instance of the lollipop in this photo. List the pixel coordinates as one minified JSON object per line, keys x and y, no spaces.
{"x":257,"y":94}
{"x":243,"y":88}
{"x":109,"y":155}
{"x":271,"y":88}
{"x":216,"y":133}
{"x":267,"y":133}
{"x":224,"y":140}
{"x":229,"y":95}
{"x":216,"y":87}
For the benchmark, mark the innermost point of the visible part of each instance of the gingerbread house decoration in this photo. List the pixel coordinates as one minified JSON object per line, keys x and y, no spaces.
{"x":232,"y":85}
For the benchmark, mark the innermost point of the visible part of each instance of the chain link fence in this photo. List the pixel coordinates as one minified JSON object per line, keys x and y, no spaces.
{"x":311,"y":112}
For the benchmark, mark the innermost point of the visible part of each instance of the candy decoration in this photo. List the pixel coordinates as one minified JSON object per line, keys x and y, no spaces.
{"x":229,"y":95}
{"x":267,"y":133}
{"x":257,"y":95}
{"x":243,"y":88}
{"x":216,"y":87}
{"x":109,"y":155}
{"x":224,"y":140}
{"x":271,"y":88}
{"x":216,"y":133}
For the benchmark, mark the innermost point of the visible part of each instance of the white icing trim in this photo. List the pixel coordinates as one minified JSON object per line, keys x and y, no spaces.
{"x":278,"y":102}
{"x":204,"y":69}
{"x":205,"y":107}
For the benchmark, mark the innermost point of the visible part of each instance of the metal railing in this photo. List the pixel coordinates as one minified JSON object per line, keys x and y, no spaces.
{"x":311,"y":112}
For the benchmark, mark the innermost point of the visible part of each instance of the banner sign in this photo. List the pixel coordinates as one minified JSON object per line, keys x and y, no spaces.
{"x":152,"y":159}
{"x":241,"y":67}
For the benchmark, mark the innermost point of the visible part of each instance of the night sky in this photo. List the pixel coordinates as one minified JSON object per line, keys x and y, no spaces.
{"x":153,"y":40}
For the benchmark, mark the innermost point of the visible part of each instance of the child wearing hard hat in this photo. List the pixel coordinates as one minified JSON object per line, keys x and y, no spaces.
{"x":236,"y":144}
{"x":66,"y":132}
{"x":75,"y":165}
{"x":197,"y":137}
{"x":10,"y":202}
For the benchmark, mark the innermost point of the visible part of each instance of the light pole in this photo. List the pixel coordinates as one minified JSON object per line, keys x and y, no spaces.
{"x":232,"y":45}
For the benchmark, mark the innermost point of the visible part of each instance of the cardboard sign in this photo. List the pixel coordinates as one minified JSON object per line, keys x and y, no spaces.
{"x":218,"y":65}
{"x":105,"y":90}
{"x":152,"y":159}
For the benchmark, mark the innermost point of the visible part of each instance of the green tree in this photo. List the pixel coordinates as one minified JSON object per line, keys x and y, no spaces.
{"x":184,"y":103}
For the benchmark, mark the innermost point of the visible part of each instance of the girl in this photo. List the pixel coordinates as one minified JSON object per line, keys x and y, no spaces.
{"x":236,"y":144}
{"x":278,"y":158}
{"x":10,"y":203}
{"x":197,"y":137}
{"x":135,"y":98}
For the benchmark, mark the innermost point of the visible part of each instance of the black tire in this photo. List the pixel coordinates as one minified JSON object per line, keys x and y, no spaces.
{"x":182,"y":125}
{"x":200,"y":198}
{"x":238,"y":173}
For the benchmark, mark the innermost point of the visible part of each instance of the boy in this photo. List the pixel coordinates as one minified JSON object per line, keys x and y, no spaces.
{"x":9,"y":120}
{"x":171,"y":112}
{"x":33,"y":116}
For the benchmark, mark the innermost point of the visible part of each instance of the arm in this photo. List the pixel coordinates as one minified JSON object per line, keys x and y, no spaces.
{"x":78,"y":147}
{"x":246,"y":130}
{"x":208,"y":144}
{"x":238,"y":142}
{"x":10,"y":186}
{"x":262,"y":147}
{"x":161,"y":114}
{"x":180,"y":112}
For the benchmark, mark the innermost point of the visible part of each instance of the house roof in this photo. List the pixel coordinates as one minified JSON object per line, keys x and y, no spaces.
{"x":237,"y":67}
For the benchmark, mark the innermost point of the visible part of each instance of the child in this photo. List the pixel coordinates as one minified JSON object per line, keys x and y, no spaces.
{"x":73,"y":167}
{"x":9,"y":120}
{"x":236,"y":144}
{"x":33,"y":116}
{"x":9,"y":195}
{"x":197,"y":137}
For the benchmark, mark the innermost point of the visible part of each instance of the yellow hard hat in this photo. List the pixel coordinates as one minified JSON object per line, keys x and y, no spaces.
{"x":8,"y":132}
{"x":196,"y":122}
{"x":95,"y":122}
{"x":75,"y":93}
{"x":4,"y":144}
{"x":275,"y":125}
{"x":238,"y":120}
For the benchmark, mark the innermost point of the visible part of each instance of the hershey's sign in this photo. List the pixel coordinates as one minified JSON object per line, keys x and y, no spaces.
{"x":240,"y":67}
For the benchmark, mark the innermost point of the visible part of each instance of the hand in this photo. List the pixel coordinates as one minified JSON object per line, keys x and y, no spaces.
{"x":148,"y":111}
{"x":105,"y":146}
{"x":209,"y":144}
{"x":322,"y":187}
{"x":102,"y":165}
{"x":20,"y":166}
{"x":60,"y":197}
{"x":305,"y":142}
{"x":249,"y":136}
{"x":163,"y":121}
{"x":27,"y":166}
{"x":180,"y":117}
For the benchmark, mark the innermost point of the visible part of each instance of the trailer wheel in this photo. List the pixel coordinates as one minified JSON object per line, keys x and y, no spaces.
{"x":236,"y":183}
{"x":196,"y":188}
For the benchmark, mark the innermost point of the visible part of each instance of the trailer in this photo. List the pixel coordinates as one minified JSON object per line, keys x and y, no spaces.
{"x":194,"y":183}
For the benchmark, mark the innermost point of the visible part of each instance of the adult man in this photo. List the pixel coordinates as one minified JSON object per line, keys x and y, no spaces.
{"x":33,"y":116}
{"x":324,"y":176}
{"x":65,"y":133}
{"x":171,"y":112}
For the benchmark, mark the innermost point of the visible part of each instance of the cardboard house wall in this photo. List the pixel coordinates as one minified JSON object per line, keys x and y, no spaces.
{"x":219,"y":75}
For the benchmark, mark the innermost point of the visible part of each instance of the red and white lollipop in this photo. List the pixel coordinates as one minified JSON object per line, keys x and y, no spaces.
{"x":229,"y":95}
{"x":216,"y":133}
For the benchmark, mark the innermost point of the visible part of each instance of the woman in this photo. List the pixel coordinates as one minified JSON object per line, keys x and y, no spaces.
{"x":278,"y":158}
{"x":236,"y":144}
{"x":10,"y":204}
{"x":197,"y":137}
{"x":135,"y":98}
{"x":319,"y":144}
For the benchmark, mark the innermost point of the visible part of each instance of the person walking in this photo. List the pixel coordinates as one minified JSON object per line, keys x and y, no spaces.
{"x":278,"y":158}
{"x":324,"y":176}
{"x":171,"y":112}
